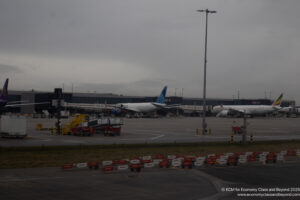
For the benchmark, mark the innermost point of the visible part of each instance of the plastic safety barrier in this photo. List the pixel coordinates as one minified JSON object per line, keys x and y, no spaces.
{"x":291,"y":153}
{"x":283,"y":152}
{"x":164,"y":163}
{"x":171,"y":157}
{"x":81,"y":165}
{"x":107,"y":163}
{"x":199,"y":163}
{"x":176,"y":163}
{"x":122,"y":167}
{"x":135,"y":167}
{"x":187,"y":164}
{"x":146,"y":161}
{"x":242,"y":160}
{"x":108,"y":169}
{"x":67,"y":166}
{"x":93,"y":165}
{"x":159,"y":157}
{"x":120,"y":162}
{"x":157,"y":161}
{"x":298,"y":152}
{"x":149,"y":165}
{"x":135,"y":161}
{"x":146,"y":158}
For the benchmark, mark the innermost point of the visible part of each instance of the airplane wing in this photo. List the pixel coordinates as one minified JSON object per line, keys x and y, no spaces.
{"x":159,"y":105}
{"x":89,"y":106}
{"x":131,"y":109}
{"x":164,"y":106}
{"x":233,"y":110}
{"x":24,"y":104}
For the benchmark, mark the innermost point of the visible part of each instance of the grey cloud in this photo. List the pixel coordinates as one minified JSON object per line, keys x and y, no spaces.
{"x":252,"y":45}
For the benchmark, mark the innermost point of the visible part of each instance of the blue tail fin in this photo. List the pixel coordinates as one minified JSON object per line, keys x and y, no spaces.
{"x":161,"y":98}
{"x":3,"y":97}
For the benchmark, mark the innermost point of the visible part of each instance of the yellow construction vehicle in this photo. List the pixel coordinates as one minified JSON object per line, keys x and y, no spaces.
{"x":67,"y":129}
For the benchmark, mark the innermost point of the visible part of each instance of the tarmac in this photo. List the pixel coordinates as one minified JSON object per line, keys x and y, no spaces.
{"x":206,"y":183}
{"x":165,"y":130}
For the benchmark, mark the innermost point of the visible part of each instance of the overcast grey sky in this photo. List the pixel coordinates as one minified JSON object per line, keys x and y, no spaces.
{"x":135,"y":47}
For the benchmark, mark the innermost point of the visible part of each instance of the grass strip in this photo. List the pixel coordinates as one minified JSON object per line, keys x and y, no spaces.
{"x":52,"y":156}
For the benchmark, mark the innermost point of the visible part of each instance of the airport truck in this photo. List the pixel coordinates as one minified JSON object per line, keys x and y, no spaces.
{"x":107,"y":126}
{"x":13,"y":126}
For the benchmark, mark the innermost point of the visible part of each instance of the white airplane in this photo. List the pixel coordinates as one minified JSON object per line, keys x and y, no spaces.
{"x":145,"y":107}
{"x":250,"y":110}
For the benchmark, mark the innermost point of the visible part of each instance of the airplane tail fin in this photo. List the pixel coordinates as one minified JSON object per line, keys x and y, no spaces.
{"x":4,"y":92}
{"x":277,"y":102}
{"x":161,"y":98}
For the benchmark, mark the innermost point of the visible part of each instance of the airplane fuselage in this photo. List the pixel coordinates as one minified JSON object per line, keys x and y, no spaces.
{"x":247,"y":109}
{"x":140,"y":107}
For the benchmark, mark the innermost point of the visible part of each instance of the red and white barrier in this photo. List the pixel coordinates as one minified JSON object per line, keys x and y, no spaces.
{"x":67,"y":166}
{"x":199,"y":163}
{"x":107,"y":169}
{"x":157,"y":161}
{"x":81,"y":165}
{"x":135,"y":161}
{"x":171,"y":157}
{"x":146,"y":158}
{"x":107,"y":162}
{"x":176,"y":163}
{"x":122,"y":167}
{"x":149,"y":165}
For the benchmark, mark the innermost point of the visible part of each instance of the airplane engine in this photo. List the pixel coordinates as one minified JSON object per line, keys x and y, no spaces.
{"x":115,"y":111}
{"x":223,"y":113}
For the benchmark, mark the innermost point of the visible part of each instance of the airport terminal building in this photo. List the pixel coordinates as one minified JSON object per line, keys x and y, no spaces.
{"x":189,"y":105}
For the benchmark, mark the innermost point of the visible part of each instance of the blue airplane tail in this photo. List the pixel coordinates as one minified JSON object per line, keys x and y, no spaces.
{"x":4,"y":92}
{"x":161,"y":98}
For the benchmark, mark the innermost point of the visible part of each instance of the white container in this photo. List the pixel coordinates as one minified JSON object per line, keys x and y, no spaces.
{"x":14,"y":126}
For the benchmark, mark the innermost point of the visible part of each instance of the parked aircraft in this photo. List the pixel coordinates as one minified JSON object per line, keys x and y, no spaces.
{"x":138,"y":109}
{"x":5,"y":103}
{"x":146,"y":107}
{"x":250,"y":110}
